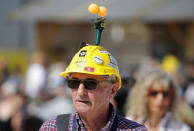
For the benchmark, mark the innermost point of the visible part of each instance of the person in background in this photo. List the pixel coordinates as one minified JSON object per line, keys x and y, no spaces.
{"x":153,"y":102}
{"x":36,"y":76}
{"x":4,"y":70}
{"x":94,"y":79}
{"x":56,"y":93}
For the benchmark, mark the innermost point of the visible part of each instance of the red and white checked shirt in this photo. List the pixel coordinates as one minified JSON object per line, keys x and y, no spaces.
{"x":123,"y":124}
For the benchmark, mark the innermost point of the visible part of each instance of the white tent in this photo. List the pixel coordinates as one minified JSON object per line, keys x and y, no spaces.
{"x":121,"y":10}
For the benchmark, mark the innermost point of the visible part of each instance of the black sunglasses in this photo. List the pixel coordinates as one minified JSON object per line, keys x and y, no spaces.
{"x":89,"y":84}
{"x":154,"y":93}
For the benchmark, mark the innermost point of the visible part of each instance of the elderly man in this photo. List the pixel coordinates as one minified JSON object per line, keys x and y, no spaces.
{"x":94,"y":79}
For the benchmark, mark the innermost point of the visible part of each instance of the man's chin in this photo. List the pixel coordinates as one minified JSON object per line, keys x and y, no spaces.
{"x":82,"y":111}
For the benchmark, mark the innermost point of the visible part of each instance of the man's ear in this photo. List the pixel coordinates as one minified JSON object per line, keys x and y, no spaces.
{"x":114,"y":89}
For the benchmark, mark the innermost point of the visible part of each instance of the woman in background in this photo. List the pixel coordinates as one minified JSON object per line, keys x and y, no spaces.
{"x":153,"y":102}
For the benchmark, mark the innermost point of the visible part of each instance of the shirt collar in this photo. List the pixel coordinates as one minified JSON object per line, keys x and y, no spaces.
{"x":165,"y":120}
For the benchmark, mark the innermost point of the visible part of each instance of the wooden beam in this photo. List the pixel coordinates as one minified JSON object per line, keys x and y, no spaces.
{"x":176,"y":32}
{"x":189,"y":42}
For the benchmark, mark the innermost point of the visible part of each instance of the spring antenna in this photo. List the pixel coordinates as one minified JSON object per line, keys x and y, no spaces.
{"x":99,"y":23}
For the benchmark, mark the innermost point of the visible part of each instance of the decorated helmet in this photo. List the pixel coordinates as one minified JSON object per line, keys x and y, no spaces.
{"x":95,"y":60}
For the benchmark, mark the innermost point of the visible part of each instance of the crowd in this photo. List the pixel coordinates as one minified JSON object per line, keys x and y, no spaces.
{"x":25,"y":102}
{"x":150,"y":95}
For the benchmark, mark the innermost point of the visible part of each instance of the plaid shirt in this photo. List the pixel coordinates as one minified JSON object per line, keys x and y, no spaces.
{"x":123,"y":124}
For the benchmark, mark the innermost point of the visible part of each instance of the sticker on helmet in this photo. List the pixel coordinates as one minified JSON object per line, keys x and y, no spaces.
{"x":104,"y":51}
{"x":98,"y":59}
{"x":112,"y":65}
{"x":82,"y":53}
{"x":113,"y":60}
{"x":89,"y":69}
{"x":79,"y":63}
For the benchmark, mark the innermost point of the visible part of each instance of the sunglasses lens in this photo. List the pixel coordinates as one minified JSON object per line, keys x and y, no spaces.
{"x":166,"y":94}
{"x":90,"y":84}
{"x":73,"y":83}
{"x":153,"y":93}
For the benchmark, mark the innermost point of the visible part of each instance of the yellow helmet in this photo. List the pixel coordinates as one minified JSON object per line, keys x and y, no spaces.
{"x":94,"y":60}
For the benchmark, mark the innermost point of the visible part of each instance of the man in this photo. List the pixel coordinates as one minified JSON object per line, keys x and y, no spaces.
{"x":94,"y":79}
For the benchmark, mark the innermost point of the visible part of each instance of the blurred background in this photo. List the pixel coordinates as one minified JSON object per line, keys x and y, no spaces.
{"x":38,"y":38}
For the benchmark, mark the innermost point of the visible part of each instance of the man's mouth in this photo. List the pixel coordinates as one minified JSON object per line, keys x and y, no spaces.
{"x":83,"y":101}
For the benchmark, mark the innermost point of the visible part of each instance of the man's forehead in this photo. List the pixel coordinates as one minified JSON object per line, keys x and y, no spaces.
{"x":84,"y":75}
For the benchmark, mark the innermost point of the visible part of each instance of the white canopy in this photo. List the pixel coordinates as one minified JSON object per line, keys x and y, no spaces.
{"x":120,"y":10}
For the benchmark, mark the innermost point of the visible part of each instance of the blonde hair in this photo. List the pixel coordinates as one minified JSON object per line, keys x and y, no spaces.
{"x":137,"y":97}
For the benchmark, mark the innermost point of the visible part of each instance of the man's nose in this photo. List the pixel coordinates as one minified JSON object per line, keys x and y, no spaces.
{"x":81,"y":89}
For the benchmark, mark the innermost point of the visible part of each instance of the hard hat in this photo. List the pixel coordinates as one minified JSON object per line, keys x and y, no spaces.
{"x":95,"y":60}
{"x":170,"y":63}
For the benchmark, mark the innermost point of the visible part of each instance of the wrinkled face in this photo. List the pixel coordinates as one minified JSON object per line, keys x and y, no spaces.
{"x":91,"y":101}
{"x":159,"y":99}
